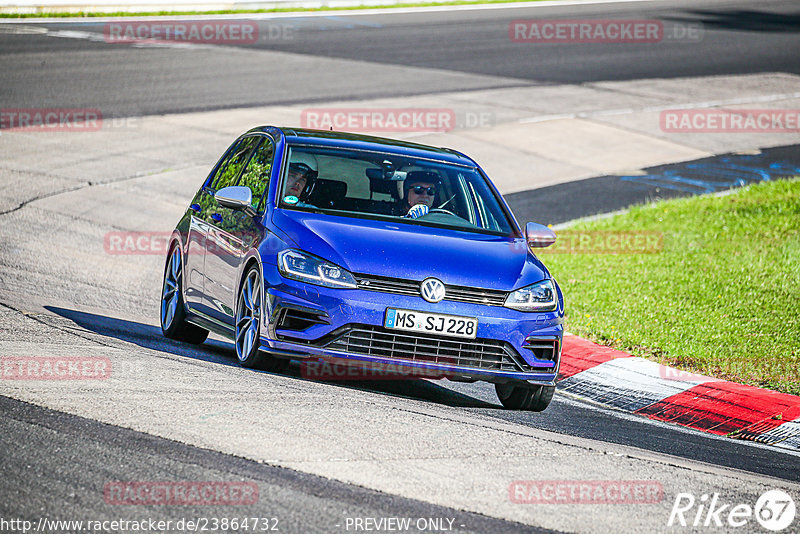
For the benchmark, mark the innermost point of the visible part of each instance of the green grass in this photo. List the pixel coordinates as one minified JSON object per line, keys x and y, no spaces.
{"x":241,"y":11}
{"x":721,"y":298}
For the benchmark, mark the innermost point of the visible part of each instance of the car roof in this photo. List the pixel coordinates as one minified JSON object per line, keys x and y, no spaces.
{"x":369,"y":142}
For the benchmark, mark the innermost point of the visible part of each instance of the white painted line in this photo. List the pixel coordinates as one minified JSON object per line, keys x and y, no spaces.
{"x":21,"y":30}
{"x":310,"y":14}
{"x":100,"y":38}
{"x":729,"y":102}
{"x":71,"y":34}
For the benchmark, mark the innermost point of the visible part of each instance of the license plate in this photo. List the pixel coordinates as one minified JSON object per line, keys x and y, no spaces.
{"x":431,"y":323}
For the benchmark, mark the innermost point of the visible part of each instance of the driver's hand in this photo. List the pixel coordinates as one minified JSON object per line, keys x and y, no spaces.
{"x":417,"y":211}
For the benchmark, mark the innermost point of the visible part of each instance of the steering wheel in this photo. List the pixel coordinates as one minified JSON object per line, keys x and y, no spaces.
{"x":442,"y":210}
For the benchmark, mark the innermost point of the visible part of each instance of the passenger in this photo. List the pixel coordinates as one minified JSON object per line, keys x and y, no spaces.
{"x":420,"y":188}
{"x":303,"y":172}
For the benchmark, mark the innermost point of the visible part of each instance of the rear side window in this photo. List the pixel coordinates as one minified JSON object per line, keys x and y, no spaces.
{"x":230,"y":168}
{"x":256,"y":174}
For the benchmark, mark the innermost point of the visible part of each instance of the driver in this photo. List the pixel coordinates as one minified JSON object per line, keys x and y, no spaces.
{"x":303,"y":171}
{"x":420,"y":188}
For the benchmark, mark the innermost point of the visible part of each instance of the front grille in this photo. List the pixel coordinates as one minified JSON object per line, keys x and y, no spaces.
{"x":474,"y":353}
{"x":388,"y":285}
{"x":398,"y":286}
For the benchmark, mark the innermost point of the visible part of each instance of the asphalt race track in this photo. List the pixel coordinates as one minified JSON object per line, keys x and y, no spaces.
{"x":321,"y":454}
{"x":389,"y":55}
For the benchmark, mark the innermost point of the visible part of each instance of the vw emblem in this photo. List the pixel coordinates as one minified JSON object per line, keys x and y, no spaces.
{"x":432,"y":290}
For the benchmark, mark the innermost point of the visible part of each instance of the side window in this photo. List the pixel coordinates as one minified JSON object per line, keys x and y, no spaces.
{"x":465,"y":200}
{"x":229,"y":170}
{"x":481,"y":209}
{"x":228,"y":155}
{"x":256,"y":174}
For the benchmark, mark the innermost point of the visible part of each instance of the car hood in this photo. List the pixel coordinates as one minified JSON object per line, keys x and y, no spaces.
{"x":413,"y":252}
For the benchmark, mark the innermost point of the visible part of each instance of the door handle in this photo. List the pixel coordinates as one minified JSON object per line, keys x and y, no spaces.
{"x":216,"y":218}
{"x":196,"y":208}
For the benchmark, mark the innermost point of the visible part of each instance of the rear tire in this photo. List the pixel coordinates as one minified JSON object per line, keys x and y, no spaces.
{"x":248,"y":327}
{"x":532,"y":398}
{"x":173,"y":313}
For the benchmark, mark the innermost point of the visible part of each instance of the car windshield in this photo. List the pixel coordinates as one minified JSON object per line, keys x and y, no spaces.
{"x":378,"y":185}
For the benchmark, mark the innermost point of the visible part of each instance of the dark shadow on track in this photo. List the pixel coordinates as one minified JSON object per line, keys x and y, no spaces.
{"x":220,"y":352}
{"x":147,"y":336}
{"x":744,"y":20}
{"x":604,"y":194}
{"x":412,"y":388}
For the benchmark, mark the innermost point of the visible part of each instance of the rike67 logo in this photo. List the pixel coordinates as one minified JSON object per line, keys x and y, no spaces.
{"x":774,"y":510}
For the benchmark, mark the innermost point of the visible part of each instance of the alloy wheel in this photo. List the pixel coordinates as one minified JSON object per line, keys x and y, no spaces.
{"x":248,"y":316}
{"x":170,"y":295}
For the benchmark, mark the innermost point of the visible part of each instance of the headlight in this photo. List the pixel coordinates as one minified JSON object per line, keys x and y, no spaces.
{"x":307,"y":268}
{"x":539,"y":297}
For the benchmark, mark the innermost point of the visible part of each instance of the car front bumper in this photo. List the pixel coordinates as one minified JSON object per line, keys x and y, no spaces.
{"x":347,"y":325}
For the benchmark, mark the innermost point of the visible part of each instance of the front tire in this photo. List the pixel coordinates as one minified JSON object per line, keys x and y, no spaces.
{"x":518,"y":397}
{"x":248,"y":327}
{"x":173,"y":313}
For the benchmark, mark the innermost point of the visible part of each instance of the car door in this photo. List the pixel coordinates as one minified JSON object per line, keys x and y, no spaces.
{"x":231,"y":233}
{"x":195,"y":251}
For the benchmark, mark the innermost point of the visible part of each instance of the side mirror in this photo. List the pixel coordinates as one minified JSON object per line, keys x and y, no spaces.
{"x":539,"y":235}
{"x":236,"y":197}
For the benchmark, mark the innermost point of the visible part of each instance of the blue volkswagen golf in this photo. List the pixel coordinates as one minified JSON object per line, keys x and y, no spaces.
{"x":317,"y":245}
